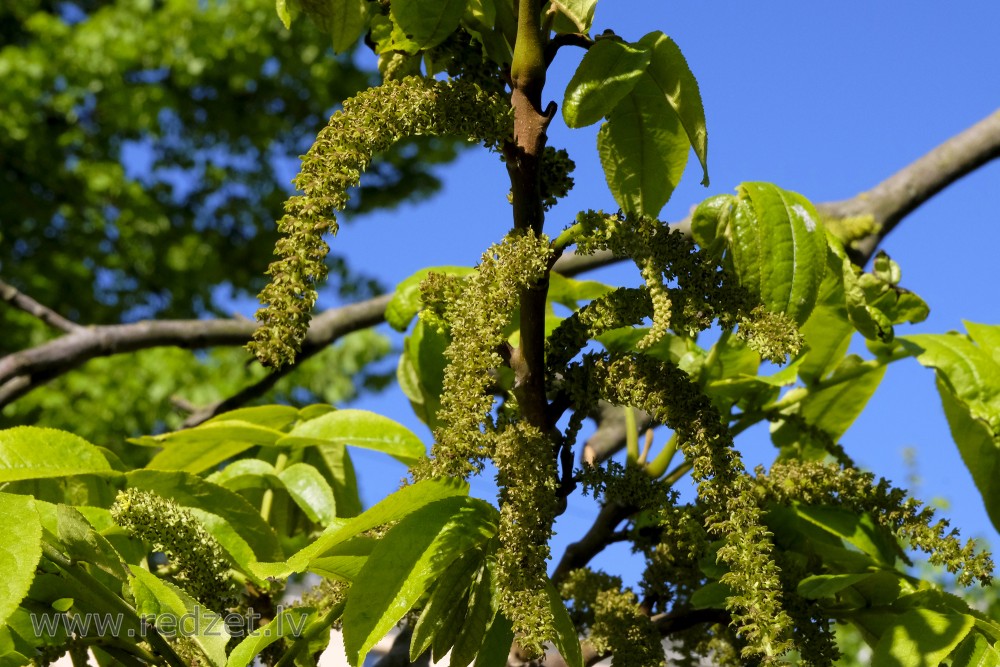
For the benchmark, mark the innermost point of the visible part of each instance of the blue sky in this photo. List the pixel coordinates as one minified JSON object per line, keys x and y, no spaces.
{"x":826,"y":99}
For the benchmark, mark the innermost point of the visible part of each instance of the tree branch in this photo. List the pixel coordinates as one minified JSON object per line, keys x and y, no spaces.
{"x":22,"y":301}
{"x":888,"y":203}
{"x":23,"y":371}
{"x":899,"y":195}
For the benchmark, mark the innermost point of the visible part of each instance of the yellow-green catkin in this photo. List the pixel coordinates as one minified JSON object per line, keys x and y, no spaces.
{"x":369,"y":123}
{"x":198,"y":563}
{"x":477,"y":316}
{"x":731,"y":510}
{"x":817,"y":483}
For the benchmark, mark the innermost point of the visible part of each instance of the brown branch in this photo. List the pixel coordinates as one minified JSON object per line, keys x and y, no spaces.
{"x":899,"y":195}
{"x":23,"y":371}
{"x":580,"y":553}
{"x":22,"y":301}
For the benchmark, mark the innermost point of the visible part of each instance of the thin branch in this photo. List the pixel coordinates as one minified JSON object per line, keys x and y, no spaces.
{"x":580,"y":553}
{"x":326,"y":328}
{"x":22,"y":301}
{"x":23,"y":371}
{"x":899,"y":195}
{"x":565,"y":39}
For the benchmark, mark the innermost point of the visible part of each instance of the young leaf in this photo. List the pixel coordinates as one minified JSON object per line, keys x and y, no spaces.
{"x":669,"y":70}
{"x":334,"y":461}
{"x":174,"y":612}
{"x":347,"y":21}
{"x":361,"y":429}
{"x":975,"y":651}
{"x":22,"y":549}
{"x":566,"y":640}
{"x":195,"y":457}
{"x":779,"y":248}
{"x":608,"y":72}
{"x":922,"y":638}
{"x":496,"y":644}
{"x":643,"y":149}
{"x":310,"y":492}
{"x":483,"y":606}
{"x":406,"y":561}
{"x":572,"y":16}
{"x":393,"y":508}
{"x":427,"y":22}
{"x":281,"y":6}
{"x":214,"y":432}
{"x":448,"y":592}
{"x":31,"y":452}
{"x":289,"y":622}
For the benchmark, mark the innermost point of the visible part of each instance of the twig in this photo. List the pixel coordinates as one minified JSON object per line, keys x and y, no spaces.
{"x":326,"y":328}
{"x":22,"y":301}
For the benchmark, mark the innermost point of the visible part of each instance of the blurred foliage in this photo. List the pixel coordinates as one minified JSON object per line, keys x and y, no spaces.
{"x":145,"y":153}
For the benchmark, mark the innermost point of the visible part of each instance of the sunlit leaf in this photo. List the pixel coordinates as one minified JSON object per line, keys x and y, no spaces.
{"x":608,"y":72}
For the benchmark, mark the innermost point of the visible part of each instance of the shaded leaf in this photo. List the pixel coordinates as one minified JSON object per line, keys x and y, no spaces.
{"x":921,"y":638}
{"x":289,"y":622}
{"x":413,"y":554}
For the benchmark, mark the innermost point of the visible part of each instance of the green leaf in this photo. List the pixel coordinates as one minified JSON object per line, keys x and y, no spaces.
{"x":344,"y":561}
{"x":608,"y":72}
{"x":570,"y":292}
{"x":20,"y":552}
{"x":213,"y":432}
{"x":346,"y":23}
{"x":406,"y":302}
{"x":335,"y":463}
{"x":406,"y":561}
{"x":427,"y":22}
{"x":922,"y":638}
{"x":246,"y":474}
{"x":834,"y":407}
{"x":448,"y":592}
{"x":289,"y":622}
{"x":979,"y":446}
{"x":860,"y":530}
{"x":970,"y":372}
{"x":310,"y":492}
{"x":175,"y":613}
{"x":392,"y":508}
{"x":286,"y":17}
{"x":712,"y":595}
{"x":975,"y":651}
{"x":669,"y":70}
{"x":567,"y":641}
{"x":195,"y":457}
{"x":828,"y":585}
{"x":189,"y":490}
{"x":987,"y":336}
{"x":359,"y":428}
{"x":421,"y":371}
{"x":643,"y":150}
{"x":828,"y":330}
{"x":483,"y":607}
{"x":496,"y":644}
{"x":572,"y":16}
{"x":31,"y":452}
{"x":778,"y":247}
